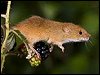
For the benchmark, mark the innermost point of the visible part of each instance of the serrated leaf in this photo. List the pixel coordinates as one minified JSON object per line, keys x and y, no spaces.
{"x":10,"y":42}
{"x":2,"y":33}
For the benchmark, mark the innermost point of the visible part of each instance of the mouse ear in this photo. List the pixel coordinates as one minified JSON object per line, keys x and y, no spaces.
{"x":66,"y":30}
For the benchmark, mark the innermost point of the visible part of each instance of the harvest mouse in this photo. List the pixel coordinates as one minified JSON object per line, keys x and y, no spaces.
{"x":37,"y":28}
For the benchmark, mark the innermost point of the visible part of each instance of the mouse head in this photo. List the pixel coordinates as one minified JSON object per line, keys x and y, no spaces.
{"x":75,"y":33}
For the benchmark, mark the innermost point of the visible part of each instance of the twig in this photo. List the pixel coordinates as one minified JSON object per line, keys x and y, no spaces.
{"x":7,"y":27}
{"x":3,"y":15}
{"x":21,"y":39}
{"x":3,"y":48}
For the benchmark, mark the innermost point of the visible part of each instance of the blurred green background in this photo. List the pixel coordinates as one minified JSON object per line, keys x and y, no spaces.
{"x":79,"y":58}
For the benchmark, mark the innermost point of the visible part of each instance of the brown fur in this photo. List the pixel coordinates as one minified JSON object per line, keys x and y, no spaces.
{"x":36,"y":28}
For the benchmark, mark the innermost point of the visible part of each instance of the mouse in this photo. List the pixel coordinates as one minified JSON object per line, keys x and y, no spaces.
{"x":37,"y":28}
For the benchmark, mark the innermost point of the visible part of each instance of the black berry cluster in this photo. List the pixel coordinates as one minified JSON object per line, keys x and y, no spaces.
{"x":42,"y":48}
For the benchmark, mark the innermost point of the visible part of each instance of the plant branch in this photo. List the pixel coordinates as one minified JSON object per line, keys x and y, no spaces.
{"x":20,"y":38}
{"x":3,"y":15}
{"x":3,"y":48}
{"x":7,"y":26}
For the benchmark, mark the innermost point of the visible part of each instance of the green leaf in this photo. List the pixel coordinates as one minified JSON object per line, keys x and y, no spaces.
{"x":2,"y":33}
{"x":10,"y":42}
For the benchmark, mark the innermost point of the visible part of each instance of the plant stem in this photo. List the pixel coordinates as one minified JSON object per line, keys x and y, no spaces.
{"x":3,"y":15}
{"x":3,"y":48}
{"x":20,"y":39}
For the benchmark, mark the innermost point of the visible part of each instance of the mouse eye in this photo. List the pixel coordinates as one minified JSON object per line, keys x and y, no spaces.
{"x":80,"y":32}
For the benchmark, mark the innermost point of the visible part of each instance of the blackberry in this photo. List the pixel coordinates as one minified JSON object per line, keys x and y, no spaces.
{"x":42,"y":48}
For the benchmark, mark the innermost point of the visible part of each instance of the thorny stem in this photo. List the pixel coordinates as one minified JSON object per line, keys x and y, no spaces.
{"x":3,"y":15}
{"x":20,"y":38}
{"x":3,"y":48}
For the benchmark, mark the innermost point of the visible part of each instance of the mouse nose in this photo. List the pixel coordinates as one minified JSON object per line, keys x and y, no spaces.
{"x":87,"y":35}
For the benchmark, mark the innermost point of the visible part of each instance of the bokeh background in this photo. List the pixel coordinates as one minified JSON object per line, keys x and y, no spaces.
{"x":79,"y":58}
